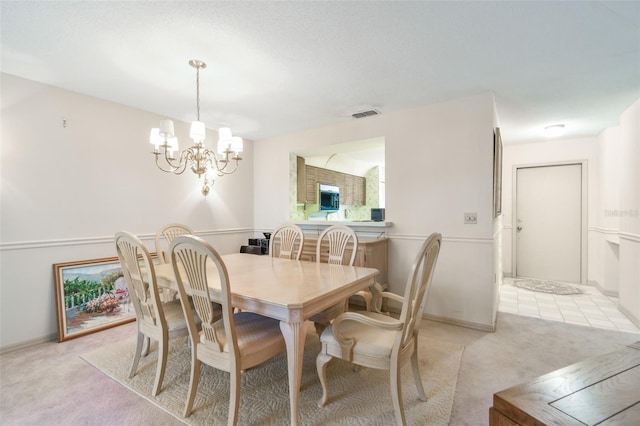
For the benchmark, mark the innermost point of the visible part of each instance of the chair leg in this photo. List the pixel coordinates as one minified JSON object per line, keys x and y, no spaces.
{"x":193,"y":383}
{"x":136,"y":357}
{"x":234,"y":397}
{"x":416,"y":373}
{"x":396,"y":393}
{"x":321,"y":367}
{"x":162,"y":364}
{"x":366,"y":295}
{"x":367,"y":298}
{"x":319,"y":328}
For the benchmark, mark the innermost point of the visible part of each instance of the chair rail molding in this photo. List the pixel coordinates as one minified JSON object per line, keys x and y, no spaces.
{"x":616,"y":233}
{"x":629,"y":237}
{"x":27,"y":245}
{"x":472,"y":240}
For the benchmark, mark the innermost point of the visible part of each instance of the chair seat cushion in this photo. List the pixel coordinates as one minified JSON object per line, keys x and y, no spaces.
{"x":370,"y":341}
{"x":255,"y":333}
{"x":174,"y":315}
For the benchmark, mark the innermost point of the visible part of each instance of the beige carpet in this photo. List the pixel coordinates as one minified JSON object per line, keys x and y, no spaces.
{"x":356,"y":398}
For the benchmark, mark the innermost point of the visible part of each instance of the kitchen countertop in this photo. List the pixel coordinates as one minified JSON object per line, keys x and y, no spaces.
{"x":364,"y":229}
{"x":362,"y":223}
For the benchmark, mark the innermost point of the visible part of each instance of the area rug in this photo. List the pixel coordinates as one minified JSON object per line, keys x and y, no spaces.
{"x":546,"y":286}
{"x":357,"y":396}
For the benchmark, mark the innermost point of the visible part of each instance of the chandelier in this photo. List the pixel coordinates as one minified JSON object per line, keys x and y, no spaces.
{"x":202,"y":161}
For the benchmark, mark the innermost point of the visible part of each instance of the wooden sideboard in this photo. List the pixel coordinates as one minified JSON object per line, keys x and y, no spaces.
{"x":604,"y":390}
{"x":371,"y":253}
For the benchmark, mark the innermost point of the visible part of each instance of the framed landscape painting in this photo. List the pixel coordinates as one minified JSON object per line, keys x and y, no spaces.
{"x":91,"y":295}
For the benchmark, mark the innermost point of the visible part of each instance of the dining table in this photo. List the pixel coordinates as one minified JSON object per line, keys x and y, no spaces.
{"x":290,"y":291}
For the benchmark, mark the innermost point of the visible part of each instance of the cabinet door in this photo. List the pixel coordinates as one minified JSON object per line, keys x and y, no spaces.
{"x":375,"y":256}
{"x":347,"y":197}
{"x":312,"y":185}
{"x":326,"y":176}
{"x":359,"y":189}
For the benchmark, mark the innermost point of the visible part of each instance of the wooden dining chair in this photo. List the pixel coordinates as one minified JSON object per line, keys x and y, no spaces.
{"x":234,"y":343}
{"x":168,"y":233}
{"x":289,"y":240}
{"x":154,"y":319}
{"x":332,"y":247}
{"x":376,"y":340}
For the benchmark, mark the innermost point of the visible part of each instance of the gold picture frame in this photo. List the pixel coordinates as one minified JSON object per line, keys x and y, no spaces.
{"x":91,"y":295}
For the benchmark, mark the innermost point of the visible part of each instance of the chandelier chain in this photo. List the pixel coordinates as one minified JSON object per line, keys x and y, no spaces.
{"x":198,"y":93}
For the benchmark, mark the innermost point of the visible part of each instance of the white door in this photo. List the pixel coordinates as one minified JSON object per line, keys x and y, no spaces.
{"x":549,"y":222}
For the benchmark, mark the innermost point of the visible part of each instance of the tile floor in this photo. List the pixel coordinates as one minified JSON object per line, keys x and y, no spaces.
{"x":591,"y":309}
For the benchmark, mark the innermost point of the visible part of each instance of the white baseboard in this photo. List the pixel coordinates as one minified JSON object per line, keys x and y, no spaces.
{"x":461,"y":323}
{"x":28,"y":343}
{"x":629,"y":315}
{"x":609,"y":293}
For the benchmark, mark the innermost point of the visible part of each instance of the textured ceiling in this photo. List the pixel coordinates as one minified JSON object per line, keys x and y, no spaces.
{"x":279,"y":67}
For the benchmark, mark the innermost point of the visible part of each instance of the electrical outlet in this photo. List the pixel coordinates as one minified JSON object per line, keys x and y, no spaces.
{"x":470,"y":218}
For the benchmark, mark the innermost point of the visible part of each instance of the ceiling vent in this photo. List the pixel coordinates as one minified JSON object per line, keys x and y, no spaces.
{"x":364,"y":114}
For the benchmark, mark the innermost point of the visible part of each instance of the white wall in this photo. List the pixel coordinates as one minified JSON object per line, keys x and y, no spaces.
{"x":438,"y":166}
{"x":629,"y":212}
{"x":65,"y":191}
{"x":604,"y":241}
{"x":538,"y":153}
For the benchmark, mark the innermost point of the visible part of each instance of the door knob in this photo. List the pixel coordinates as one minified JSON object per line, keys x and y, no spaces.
{"x":519,"y":228}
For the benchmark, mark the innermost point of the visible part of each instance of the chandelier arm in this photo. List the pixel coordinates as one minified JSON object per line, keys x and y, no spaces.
{"x":169,"y":170}
{"x":177,"y":168}
{"x":223,"y":170}
{"x":220,"y":170}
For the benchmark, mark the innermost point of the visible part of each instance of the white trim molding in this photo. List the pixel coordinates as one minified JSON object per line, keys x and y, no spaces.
{"x":27,"y":245}
{"x":471,"y":240}
{"x":627,"y":236}
{"x":616,"y":234}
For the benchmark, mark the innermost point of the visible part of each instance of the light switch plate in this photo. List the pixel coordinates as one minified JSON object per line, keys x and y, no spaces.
{"x":470,"y":218}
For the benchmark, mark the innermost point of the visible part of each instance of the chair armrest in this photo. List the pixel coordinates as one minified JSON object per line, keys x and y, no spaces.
{"x":348,"y":343}
{"x":378,"y":296}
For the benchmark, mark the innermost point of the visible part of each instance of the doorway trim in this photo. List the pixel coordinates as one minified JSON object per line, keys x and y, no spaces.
{"x":583,"y":208}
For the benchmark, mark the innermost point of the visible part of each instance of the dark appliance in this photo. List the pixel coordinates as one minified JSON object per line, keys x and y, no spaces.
{"x":257,"y":245}
{"x":329,"y":197}
{"x":377,"y":215}
{"x":251,"y":249}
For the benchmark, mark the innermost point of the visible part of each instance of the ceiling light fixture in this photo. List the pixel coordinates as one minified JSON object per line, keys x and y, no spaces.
{"x":554,"y":130}
{"x":204,"y":162}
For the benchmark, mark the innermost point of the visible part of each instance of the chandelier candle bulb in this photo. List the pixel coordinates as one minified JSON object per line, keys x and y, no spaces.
{"x":236,"y":145}
{"x":224,"y":134}
{"x":166,"y":128}
{"x":197,"y":131}
{"x":155,"y":139}
{"x":222,"y":146}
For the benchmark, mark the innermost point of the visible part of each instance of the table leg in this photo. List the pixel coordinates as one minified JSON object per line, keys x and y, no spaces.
{"x":294,"y":336}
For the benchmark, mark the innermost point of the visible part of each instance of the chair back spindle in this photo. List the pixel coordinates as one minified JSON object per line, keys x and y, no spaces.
{"x":169,"y":233}
{"x":191,"y":255}
{"x":338,"y":238}
{"x":289,"y":237}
